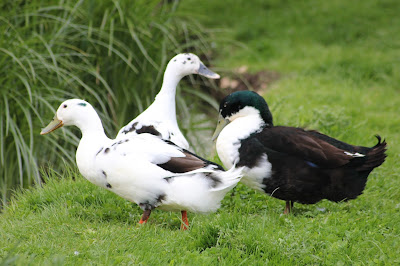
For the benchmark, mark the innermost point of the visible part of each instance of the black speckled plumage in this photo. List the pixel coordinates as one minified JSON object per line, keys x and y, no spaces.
{"x":307,"y":166}
{"x":148,"y":129}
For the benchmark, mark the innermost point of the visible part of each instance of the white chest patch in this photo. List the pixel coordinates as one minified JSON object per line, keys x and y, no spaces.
{"x":253,"y":177}
{"x":229,"y":142}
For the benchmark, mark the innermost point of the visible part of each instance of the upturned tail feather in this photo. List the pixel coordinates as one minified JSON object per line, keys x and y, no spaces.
{"x":375,"y":156}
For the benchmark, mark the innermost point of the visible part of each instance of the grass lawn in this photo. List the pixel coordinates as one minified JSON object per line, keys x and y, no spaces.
{"x":339,"y":73}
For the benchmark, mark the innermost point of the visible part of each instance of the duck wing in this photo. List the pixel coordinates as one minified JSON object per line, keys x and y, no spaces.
{"x":162,"y":153}
{"x":304,"y":145}
{"x":340,"y":144}
{"x":189,"y":162}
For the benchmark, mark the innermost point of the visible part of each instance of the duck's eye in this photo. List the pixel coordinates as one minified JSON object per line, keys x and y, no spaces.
{"x":189,"y":58}
{"x":65,"y":106}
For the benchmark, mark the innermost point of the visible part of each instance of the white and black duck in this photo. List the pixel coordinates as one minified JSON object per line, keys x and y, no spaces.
{"x":145,"y":169}
{"x":160,"y":117}
{"x":289,"y":163}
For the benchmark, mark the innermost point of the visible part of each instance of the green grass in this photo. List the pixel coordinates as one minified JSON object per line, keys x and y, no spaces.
{"x":339,"y":69}
{"x":76,"y":222}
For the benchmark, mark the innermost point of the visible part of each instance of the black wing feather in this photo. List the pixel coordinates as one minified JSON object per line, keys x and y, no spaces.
{"x":304,"y":145}
{"x":188,"y":163}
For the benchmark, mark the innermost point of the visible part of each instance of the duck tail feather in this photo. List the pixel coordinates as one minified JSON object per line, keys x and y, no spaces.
{"x":229,"y":179}
{"x":375,"y":156}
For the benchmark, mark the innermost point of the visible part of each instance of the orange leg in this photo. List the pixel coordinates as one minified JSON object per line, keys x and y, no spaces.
{"x":145,"y":217}
{"x":288,"y":207}
{"x":185,"y":221}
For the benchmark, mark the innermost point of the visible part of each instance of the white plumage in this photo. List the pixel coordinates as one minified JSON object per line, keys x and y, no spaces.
{"x":160,"y":116}
{"x":244,"y":123}
{"x":144,"y":169}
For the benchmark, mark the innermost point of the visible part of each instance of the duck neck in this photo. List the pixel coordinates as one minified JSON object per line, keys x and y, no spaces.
{"x":165,"y":99}
{"x":229,"y":140}
{"x":92,"y":141}
{"x":91,"y":127}
{"x":245,"y":126}
{"x":93,"y":135}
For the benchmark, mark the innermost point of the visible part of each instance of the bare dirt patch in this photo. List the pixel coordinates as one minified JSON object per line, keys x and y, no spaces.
{"x":241,"y":79}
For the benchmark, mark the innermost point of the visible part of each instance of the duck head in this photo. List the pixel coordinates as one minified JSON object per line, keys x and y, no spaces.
{"x":74,"y":112}
{"x":242,"y":104}
{"x":186,"y":64}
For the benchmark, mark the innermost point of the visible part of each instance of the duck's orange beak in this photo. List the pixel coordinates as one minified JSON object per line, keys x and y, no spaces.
{"x":53,"y":125}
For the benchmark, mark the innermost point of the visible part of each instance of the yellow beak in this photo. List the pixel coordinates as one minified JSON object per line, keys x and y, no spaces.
{"x":221,"y":124}
{"x":53,"y":125}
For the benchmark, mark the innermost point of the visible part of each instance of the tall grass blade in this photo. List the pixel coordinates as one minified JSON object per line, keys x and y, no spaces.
{"x":110,"y":53}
